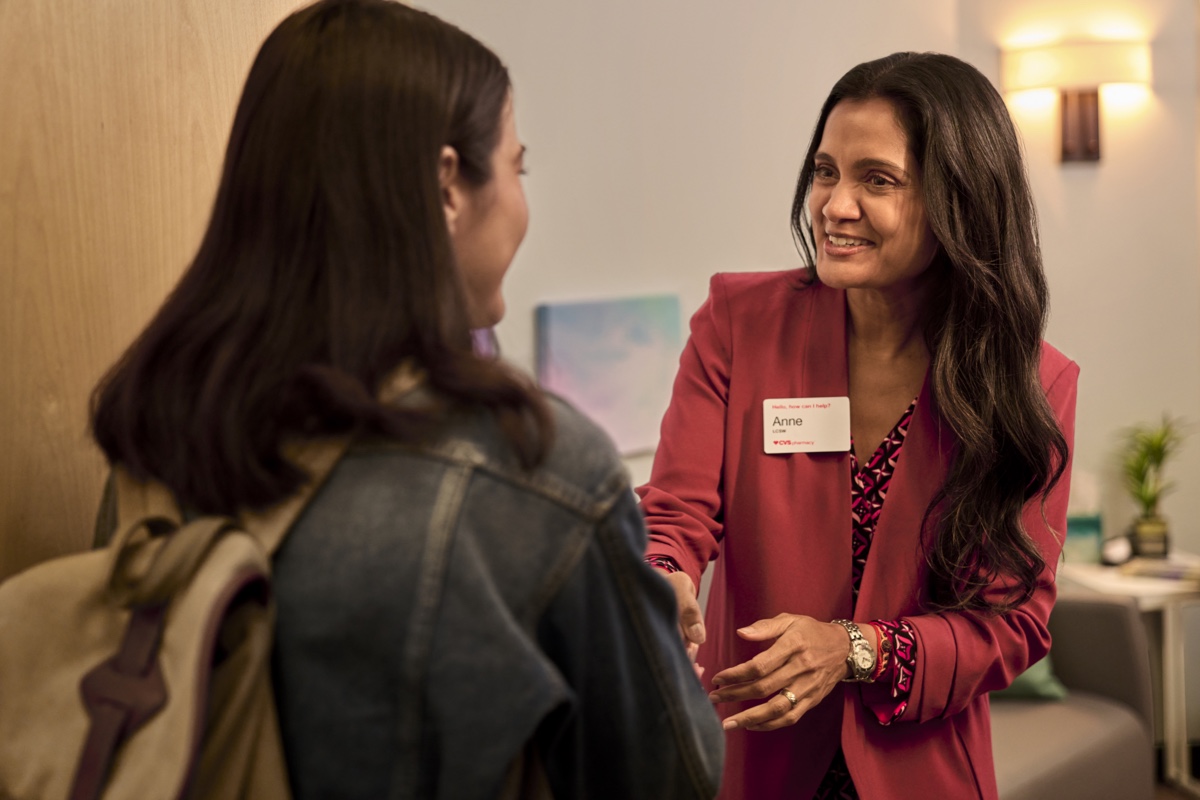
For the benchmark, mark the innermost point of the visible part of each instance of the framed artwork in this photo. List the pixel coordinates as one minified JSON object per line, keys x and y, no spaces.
{"x":614,"y":360}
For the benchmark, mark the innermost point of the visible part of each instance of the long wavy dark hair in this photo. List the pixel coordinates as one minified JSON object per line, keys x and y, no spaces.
{"x":326,"y":264}
{"x":985,"y":337}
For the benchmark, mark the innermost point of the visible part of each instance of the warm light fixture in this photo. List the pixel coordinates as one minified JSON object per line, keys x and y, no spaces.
{"x":1077,"y":70}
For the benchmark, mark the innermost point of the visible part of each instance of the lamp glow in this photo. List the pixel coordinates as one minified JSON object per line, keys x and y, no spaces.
{"x":1075,"y":65}
{"x":1078,"y":70}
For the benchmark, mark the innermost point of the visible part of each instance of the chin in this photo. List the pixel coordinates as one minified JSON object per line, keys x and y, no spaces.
{"x":837,"y":277}
{"x":488,"y":317}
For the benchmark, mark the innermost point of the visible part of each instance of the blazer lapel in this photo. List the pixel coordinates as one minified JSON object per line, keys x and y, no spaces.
{"x":895,"y":571}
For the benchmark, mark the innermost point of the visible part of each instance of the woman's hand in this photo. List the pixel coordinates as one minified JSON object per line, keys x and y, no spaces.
{"x":691,"y":621}
{"x":808,"y":658}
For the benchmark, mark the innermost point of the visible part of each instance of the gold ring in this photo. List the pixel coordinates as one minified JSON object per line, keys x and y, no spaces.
{"x":791,"y":698}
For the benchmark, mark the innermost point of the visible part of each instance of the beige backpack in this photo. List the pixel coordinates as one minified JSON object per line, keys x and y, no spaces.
{"x":142,"y":670}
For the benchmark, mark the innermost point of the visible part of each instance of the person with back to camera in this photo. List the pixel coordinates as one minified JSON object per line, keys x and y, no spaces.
{"x":370,"y":204}
{"x":883,"y":569}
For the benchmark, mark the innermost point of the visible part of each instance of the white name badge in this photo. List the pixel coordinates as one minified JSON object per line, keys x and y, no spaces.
{"x":806,"y":425}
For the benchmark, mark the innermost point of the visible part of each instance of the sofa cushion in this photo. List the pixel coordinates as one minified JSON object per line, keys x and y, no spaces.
{"x":1036,"y":683}
{"x":1084,"y":746}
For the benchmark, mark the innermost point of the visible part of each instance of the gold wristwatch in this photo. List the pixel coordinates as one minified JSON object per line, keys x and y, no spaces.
{"x":861,"y":658}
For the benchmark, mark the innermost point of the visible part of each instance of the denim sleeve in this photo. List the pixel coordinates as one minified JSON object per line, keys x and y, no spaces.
{"x":639,"y":724}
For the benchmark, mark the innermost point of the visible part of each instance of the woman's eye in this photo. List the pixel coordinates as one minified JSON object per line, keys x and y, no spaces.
{"x":823,"y":172}
{"x":879,"y":181}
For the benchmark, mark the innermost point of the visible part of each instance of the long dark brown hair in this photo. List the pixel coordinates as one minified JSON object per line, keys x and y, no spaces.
{"x":326,"y":264}
{"x":985,"y":336}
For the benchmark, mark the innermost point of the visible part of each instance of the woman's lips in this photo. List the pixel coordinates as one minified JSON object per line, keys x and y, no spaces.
{"x":845,"y":245}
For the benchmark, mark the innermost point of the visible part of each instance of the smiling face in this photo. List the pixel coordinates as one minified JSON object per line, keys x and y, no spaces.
{"x":488,"y":223}
{"x":868,"y":215}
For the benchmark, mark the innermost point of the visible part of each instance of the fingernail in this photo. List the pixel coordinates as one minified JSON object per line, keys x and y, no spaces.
{"x":696,"y":633}
{"x":729,"y":724}
{"x":714,"y":697}
{"x":747,"y":629}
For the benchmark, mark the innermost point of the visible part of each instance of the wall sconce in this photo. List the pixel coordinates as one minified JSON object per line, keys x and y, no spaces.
{"x":1077,"y":70}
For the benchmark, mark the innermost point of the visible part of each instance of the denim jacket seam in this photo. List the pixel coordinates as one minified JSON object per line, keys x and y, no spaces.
{"x":565,"y":563}
{"x":589,"y":509}
{"x":435,"y":557}
{"x":592,"y":504}
{"x":672,"y":700}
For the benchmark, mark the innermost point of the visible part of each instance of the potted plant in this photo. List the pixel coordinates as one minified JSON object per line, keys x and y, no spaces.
{"x":1147,"y":449}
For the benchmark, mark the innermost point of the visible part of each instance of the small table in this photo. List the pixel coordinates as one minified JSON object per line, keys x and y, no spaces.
{"x":1169,"y":597}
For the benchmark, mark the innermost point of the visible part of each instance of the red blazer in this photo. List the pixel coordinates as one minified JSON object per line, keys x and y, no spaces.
{"x":782,"y":526}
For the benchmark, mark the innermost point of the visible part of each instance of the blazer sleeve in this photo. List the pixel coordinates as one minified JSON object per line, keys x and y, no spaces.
{"x":963,"y":655}
{"x":682,"y":501}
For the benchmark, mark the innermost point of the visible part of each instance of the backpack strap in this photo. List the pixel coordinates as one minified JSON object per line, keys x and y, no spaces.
{"x":149,"y":573}
{"x":317,"y":457}
{"x":150,"y":506}
{"x":123,"y":692}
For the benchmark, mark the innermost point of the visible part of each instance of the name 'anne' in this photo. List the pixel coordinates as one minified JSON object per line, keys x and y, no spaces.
{"x":788,"y":421}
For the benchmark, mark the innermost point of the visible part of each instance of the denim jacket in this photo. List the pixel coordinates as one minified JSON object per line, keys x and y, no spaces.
{"x":439,"y":608}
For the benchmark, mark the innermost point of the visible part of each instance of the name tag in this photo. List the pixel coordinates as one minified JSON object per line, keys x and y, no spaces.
{"x":806,"y":425}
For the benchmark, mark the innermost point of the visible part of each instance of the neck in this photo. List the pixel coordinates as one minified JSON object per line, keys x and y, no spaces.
{"x":887,"y":323}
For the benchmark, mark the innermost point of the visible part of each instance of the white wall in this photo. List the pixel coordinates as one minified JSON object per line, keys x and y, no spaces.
{"x":1120,"y":243}
{"x":665,"y":137}
{"x":1119,"y":237}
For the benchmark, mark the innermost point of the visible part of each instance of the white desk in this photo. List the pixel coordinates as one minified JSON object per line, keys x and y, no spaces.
{"x":1169,"y":597}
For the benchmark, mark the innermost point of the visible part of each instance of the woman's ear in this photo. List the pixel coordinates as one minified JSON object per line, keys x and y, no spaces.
{"x":453,"y":197}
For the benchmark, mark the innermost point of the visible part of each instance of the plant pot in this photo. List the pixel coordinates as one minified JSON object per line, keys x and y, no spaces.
{"x":1150,"y":538}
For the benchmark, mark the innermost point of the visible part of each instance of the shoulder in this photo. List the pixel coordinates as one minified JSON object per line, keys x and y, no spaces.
{"x":581,"y":470}
{"x":757,"y":298}
{"x":764,"y":307}
{"x":749,"y":287}
{"x":1056,"y":367}
{"x":582,"y":455}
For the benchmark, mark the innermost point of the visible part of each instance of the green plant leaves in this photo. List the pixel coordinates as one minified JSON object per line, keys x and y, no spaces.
{"x":1147,"y":449}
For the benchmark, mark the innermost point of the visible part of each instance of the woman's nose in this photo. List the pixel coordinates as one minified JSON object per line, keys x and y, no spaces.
{"x":842,"y":203}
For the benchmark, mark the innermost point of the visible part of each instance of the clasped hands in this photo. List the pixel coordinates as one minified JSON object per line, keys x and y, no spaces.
{"x":806,"y":657}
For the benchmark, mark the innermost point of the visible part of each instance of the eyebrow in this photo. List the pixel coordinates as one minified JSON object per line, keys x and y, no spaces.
{"x":867,"y":163}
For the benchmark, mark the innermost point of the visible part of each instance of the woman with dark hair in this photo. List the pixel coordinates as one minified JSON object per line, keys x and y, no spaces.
{"x":878,"y":447}
{"x":369,"y":207}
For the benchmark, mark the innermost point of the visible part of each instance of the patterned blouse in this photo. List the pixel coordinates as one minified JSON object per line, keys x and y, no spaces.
{"x":868,"y":489}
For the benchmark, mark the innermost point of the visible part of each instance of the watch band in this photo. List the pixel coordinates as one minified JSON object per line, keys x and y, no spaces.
{"x":861,"y":657}
{"x":884,"y":653}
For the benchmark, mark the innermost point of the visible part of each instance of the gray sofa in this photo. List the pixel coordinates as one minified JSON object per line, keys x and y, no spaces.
{"x":1098,"y":742}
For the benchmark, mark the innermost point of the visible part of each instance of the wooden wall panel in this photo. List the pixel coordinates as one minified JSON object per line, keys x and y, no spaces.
{"x":112,"y":131}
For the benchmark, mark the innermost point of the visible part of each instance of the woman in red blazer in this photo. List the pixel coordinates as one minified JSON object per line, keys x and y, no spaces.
{"x":867,"y":599}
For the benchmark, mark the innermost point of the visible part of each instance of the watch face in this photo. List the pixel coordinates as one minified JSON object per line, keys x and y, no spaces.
{"x":864,"y":659}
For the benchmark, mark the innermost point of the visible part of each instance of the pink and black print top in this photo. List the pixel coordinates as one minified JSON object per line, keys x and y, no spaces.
{"x":868,"y":489}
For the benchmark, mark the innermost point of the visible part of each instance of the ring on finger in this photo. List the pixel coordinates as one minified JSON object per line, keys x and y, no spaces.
{"x":791,"y":698}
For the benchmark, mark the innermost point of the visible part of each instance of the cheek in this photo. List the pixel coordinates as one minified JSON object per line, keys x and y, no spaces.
{"x":816,"y":202}
{"x":931,"y":243}
{"x":925,"y":242}
{"x":522,"y":212}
